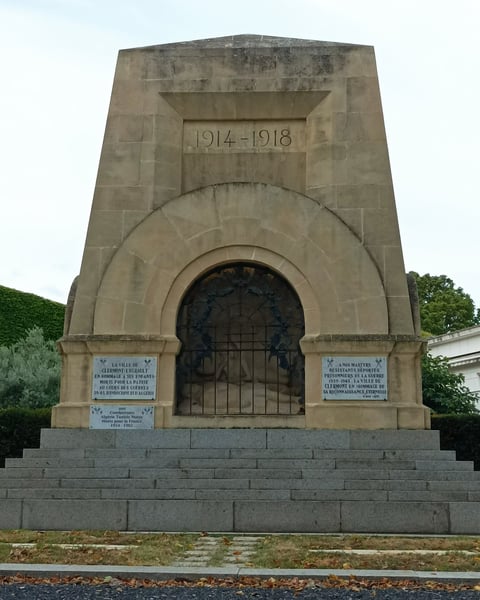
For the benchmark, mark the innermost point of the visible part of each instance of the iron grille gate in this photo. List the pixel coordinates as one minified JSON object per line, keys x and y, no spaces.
{"x":240,"y":326}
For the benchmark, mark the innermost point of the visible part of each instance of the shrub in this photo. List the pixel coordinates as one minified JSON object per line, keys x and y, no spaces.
{"x":20,"y":311}
{"x":20,"y":428}
{"x":460,"y":433}
{"x":29,"y":372}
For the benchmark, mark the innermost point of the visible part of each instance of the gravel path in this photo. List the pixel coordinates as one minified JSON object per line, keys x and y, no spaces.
{"x":104,"y":592}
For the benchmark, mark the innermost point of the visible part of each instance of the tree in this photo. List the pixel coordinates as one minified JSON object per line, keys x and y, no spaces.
{"x":443,"y":306}
{"x":29,"y":372}
{"x":444,"y":391}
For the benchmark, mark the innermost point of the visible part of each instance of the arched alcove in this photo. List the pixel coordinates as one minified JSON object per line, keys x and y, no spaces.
{"x":240,"y":326}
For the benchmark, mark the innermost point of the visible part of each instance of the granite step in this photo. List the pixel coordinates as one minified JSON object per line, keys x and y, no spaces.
{"x":222,"y":467}
{"x":239,"y":453}
{"x":384,"y":440}
{"x":250,"y":480}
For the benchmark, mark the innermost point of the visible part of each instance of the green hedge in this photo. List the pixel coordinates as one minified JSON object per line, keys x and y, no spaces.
{"x":20,"y":311}
{"x":460,"y":433}
{"x":19,"y":429}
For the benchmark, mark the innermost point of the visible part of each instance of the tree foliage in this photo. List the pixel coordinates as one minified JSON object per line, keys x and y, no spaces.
{"x":443,"y":306}
{"x":30,"y":372}
{"x":443,"y":391}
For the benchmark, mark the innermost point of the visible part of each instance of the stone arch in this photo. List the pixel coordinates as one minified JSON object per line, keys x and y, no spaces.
{"x":224,"y":256}
{"x":336,"y":279}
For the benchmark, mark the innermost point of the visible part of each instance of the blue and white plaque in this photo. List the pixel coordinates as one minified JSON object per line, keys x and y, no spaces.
{"x":111,"y":416}
{"x":354,"y":378}
{"x":124,"y":378}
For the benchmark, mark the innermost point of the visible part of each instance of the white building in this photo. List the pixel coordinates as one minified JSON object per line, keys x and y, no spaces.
{"x":462,"y":348}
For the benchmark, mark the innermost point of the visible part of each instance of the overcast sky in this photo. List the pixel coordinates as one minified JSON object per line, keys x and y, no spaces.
{"x":57,"y":62}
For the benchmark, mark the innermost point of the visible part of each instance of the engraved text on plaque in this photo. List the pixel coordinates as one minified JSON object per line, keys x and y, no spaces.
{"x":354,"y":377}
{"x":124,"y":378}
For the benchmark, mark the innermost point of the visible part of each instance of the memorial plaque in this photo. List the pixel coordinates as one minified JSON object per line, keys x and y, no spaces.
{"x":354,"y":378}
{"x":110,"y":416}
{"x":124,"y":378}
{"x":219,"y":137}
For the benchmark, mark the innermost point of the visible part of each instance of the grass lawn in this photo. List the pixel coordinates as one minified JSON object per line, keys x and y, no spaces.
{"x":312,"y":552}
{"x":272,"y":551}
{"x":138,"y":549}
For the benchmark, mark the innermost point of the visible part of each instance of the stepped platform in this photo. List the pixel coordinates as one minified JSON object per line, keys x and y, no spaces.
{"x":249,"y":480}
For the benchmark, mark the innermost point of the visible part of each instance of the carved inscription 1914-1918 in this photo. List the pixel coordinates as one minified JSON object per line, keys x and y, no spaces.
{"x":220,"y":137}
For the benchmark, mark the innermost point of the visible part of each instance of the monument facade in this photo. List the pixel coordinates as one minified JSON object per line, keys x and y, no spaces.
{"x":243,"y":264}
{"x":242,"y":329}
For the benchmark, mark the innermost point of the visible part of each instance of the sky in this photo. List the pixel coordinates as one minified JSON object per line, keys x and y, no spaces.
{"x":57,"y":60}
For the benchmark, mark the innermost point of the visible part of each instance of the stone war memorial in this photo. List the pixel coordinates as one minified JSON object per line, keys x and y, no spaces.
{"x":242,"y":346}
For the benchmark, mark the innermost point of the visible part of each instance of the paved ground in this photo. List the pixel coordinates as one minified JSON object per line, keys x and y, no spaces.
{"x":233,"y":571}
{"x":238,"y":553}
{"x":76,"y":592}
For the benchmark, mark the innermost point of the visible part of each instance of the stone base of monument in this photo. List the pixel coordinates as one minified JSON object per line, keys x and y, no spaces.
{"x":250,"y":480}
